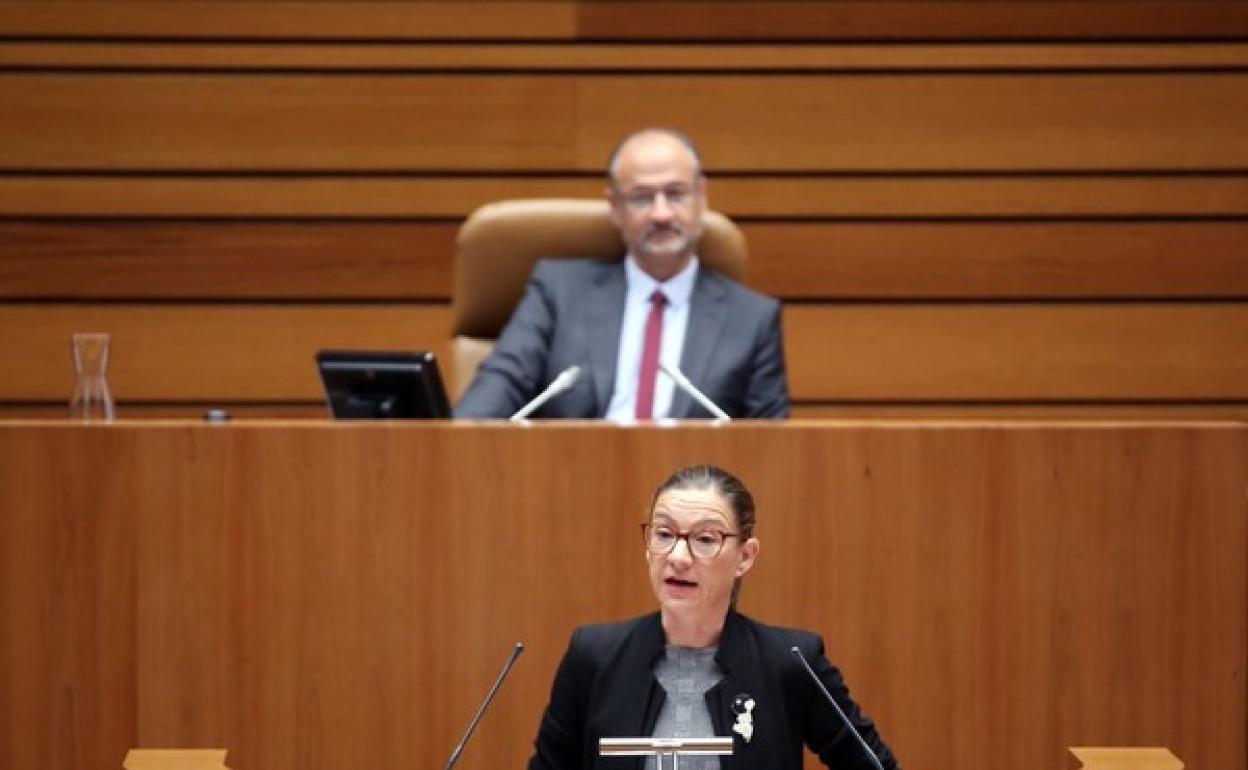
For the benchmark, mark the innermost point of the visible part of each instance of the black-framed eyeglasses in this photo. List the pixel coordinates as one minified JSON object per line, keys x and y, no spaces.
{"x":703,"y":542}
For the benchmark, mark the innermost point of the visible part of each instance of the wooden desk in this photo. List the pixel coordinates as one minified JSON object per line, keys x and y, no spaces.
{"x":313,"y":595}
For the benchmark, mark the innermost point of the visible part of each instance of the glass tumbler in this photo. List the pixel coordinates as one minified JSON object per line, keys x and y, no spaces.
{"x":92,"y":400}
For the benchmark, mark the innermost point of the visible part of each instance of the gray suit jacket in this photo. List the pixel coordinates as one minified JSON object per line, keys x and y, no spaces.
{"x":571,"y":314}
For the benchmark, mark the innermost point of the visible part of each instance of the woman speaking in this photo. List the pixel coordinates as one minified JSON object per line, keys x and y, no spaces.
{"x":697,"y":667}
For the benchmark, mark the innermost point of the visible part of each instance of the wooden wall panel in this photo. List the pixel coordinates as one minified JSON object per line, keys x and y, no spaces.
{"x":805,"y":196}
{"x":529,"y":57}
{"x":93,"y":259}
{"x":934,"y":122}
{"x":859,"y":352}
{"x":293,"y":161}
{"x":319,"y":596}
{"x":1096,"y":122}
{"x":218,"y":123}
{"x":202,"y":352}
{"x":199,"y":19}
{"x":629,"y":20}
{"x":407,"y":260}
{"x":1028,"y":351}
{"x":915,"y":19}
{"x":999,"y":260}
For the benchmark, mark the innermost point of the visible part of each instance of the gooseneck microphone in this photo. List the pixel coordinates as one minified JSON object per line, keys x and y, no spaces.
{"x":684,"y":384}
{"x":839,"y":712}
{"x":489,"y":698}
{"x":566,"y":379}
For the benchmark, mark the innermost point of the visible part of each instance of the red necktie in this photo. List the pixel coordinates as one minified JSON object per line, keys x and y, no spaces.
{"x":650,"y":357}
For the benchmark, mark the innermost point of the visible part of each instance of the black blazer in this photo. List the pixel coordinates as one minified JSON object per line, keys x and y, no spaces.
{"x":571,"y":314}
{"x":605,"y":688}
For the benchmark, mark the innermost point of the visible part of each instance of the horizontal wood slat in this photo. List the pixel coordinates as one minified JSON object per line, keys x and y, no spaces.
{"x":914,"y":20}
{"x":624,"y":20}
{"x":1236,"y":411}
{"x":227,"y":260}
{"x":920,"y":353}
{"x":793,"y":260}
{"x":1018,"y":352}
{"x":449,"y":123}
{"x":291,"y":123}
{"x":608,"y":56}
{"x":205,"y":352}
{"x":790,"y":197}
{"x":294,"y":20}
{"x":1015,"y":260}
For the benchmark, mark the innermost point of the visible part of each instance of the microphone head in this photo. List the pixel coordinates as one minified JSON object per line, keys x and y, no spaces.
{"x":567,"y":378}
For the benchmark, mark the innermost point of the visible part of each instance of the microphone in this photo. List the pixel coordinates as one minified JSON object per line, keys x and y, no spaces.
{"x":875,"y":761}
{"x":684,"y":384}
{"x":566,"y":379}
{"x":515,"y":653}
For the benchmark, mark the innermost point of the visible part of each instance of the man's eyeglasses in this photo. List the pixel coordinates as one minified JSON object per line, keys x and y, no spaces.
{"x":644,"y":198}
{"x":703,"y":542}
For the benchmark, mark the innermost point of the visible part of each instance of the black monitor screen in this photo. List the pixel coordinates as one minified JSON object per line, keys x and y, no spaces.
{"x":363,"y":384}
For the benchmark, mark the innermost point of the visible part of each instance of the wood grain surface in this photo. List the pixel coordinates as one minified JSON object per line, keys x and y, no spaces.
{"x":869,"y":352}
{"x":320,"y":596}
{"x":412,"y":260}
{"x":449,"y":122}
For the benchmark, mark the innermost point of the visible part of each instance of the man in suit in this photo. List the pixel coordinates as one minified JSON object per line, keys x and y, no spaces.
{"x":617,"y":320}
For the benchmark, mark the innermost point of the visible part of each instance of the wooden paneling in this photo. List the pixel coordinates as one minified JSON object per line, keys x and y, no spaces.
{"x":952,"y":352}
{"x":630,"y":20}
{"x":184,"y":352}
{"x":528,"y":57}
{"x":869,"y":352}
{"x":1230,"y":411}
{"x":193,"y":19}
{"x":1002,"y":260}
{"x":914,"y":20}
{"x":221,"y":260}
{"x":793,"y":260}
{"x":812,"y":196}
{"x":294,"y":171}
{"x":318,"y":596}
{"x":816,"y":123}
{"x":287,"y":123}
{"x":934,"y":122}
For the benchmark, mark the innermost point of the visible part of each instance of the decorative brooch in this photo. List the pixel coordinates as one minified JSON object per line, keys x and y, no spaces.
{"x":743,"y":707}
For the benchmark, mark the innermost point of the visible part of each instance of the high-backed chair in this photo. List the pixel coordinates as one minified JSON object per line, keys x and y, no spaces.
{"x":499,"y":243}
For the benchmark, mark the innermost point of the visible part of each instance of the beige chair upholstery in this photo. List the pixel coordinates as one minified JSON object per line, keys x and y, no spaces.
{"x":499,"y":243}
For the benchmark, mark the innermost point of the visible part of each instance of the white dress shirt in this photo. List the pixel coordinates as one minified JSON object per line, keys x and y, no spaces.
{"x":641,"y":285}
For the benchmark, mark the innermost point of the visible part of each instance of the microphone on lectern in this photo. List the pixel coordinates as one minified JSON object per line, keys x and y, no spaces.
{"x":684,"y":384}
{"x":875,"y":761}
{"x":489,"y":698}
{"x":566,"y":379}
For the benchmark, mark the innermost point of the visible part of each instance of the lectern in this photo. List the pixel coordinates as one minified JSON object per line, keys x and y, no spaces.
{"x":664,"y":747}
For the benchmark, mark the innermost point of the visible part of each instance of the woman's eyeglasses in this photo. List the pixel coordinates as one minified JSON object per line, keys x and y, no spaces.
{"x":703,"y":542}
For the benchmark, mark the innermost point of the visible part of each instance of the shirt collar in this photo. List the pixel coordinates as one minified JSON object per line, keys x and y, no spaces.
{"x":677,"y":289}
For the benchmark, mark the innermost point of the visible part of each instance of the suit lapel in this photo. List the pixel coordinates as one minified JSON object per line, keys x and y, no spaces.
{"x":740,"y":679}
{"x":708,"y":310}
{"x":605,"y":315}
{"x":634,"y":685}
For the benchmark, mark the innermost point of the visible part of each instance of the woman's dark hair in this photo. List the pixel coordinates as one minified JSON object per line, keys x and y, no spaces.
{"x":727,"y":486}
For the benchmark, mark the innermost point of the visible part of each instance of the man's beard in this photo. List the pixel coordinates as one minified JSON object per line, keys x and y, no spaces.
{"x":674,"y":241}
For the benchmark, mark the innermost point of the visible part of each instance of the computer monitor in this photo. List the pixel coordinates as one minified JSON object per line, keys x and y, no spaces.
{"x":362,"y":384}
